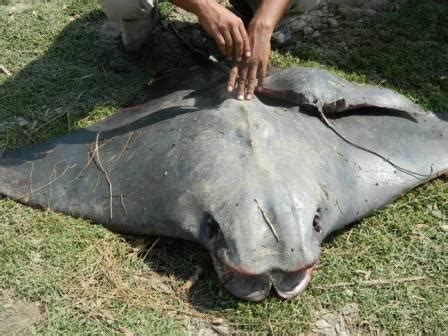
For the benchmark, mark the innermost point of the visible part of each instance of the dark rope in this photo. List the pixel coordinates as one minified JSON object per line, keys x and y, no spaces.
{"x":414,"y":174}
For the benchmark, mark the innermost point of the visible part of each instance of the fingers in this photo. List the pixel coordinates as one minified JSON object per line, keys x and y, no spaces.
{"x":242,"y":81}
{"x":232,"y":78}
{"x":235,"y":39}
{"x":247,"y":80}
{"x":227,"y":30}
{"x":249,"y":76}
{"x":246,"y":42}
{"x":251,"y":82}
{"x":229,"y":44}
{"x":221,"y":43}
{"x":261,"y":75}
{"x":239,"y":44}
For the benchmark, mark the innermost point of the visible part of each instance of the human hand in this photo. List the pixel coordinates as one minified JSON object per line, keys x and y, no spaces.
{"x":250,"y":72}
{"x":226,"y":29}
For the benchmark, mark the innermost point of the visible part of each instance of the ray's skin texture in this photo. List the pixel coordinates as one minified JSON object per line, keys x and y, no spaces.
{"x":259,"y":184}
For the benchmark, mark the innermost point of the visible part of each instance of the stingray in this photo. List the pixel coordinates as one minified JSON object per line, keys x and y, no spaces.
{"x":260,"y":184}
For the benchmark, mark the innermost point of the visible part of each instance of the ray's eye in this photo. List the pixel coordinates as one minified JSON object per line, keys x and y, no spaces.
{"x":316,"y":222}
{"x":213,"y":228}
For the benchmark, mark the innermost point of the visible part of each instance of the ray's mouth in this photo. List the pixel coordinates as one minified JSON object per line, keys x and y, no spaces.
{"x":256,"y":287}
{"x":291,"y":284}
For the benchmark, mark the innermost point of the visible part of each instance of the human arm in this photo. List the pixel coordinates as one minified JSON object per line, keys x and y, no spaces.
{"x":260,"y":29}
{"x":224,"y":27}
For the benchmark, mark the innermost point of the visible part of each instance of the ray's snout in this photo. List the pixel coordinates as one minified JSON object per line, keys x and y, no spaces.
{"x":250,"y":259}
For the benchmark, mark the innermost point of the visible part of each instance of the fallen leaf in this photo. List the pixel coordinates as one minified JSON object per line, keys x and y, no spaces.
{"x":139,"y":244}
{"x":197,"y":271}
{"x":350,"y":309}
{"x":421,"y":226}
{"x":327,"y":324}
{"x":5,"y":71}
{"x":437,"y":213}
{"x":12,"y":10}
{"x":125,"y":331}
{"x":218,"y":321}
{"x":21,"y":122}
{"x":162,"y":287}
{"x":348,"y":292}
{"x":73,"y":18}
{"x":367,"y":275}
{"x":221,"y":329}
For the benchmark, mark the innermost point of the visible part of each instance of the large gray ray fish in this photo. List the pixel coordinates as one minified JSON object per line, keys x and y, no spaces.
{"x":260,"y":184}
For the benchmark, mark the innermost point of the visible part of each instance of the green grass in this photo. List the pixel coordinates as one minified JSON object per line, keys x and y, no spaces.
{"x":90,"y":281}
{"x":406,"y":50}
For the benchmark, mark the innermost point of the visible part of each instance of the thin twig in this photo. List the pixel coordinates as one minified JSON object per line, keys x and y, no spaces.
{"x":69,"y":122}
{"x":150,"y":249}
{"x":30,"y":182}
{"x":124,"y":147}
{"x":375,"y":282}
{"x":96,"y":184}
{"x":197,"y":271}
{"x":92,"y":156}
{"x":137,"y":135}
{"x":37,"y":129}
{"x":130,"y":156}
{"x":45,"y":185}
{"x":100,"y":166}
{"x":50,"y":192}
{"x":267,"y":220}
{"x":123,"y":205}
{"x":4,"y":147}
{"x":5,"y":71}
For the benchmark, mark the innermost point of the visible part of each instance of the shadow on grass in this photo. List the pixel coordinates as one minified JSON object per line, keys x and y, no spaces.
{"x":71,"y":85}
{"x":66,"y":83}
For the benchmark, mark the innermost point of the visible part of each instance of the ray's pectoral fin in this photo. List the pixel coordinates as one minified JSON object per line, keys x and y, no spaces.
{"x":309,"y":87}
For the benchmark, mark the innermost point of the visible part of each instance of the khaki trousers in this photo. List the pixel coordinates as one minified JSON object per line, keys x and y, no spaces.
{"x":137,"y":18}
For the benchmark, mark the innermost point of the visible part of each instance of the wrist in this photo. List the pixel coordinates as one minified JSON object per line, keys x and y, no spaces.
{"x":269,"y":14}
{"x":261,"y":25}
{"x":196,"y":7}
{"x":200,"y":7}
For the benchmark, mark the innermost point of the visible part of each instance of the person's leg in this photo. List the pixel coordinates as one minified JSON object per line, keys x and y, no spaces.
{"x":244,"y":9}
{"x":136,"y":19}
{"x":295,"y":8}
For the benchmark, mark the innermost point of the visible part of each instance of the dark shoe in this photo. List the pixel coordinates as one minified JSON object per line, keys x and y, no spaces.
{"x":120,"y":60}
